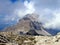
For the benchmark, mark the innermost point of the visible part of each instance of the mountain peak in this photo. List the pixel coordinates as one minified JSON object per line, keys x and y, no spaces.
{"x":28,"y":24}
{"x":32,"y":17}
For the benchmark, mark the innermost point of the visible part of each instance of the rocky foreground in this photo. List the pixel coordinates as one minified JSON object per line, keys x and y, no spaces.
{"x":8,"y":38}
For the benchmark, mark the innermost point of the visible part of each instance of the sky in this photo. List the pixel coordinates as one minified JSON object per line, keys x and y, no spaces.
{"x":13,"y":10}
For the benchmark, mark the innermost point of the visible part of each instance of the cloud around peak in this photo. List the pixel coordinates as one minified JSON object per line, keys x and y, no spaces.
{"x":49,"y":11}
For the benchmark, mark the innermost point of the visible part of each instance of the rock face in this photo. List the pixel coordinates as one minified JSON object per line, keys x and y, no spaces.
{"x":28,"y":24}
{"x":3,"y":39}
{"x":28,"y":39}
{"x":48,"y":40}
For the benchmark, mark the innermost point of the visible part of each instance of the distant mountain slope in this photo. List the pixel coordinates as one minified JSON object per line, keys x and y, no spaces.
{"x":53,"y":31}
{"x":28,"y":23}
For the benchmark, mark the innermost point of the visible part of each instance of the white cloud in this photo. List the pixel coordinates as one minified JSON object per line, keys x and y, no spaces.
{"x":29,"y":7}
{"x":7,"y":10}
{"x":45,"y":15}
{"x":51,"y":18}
{"x":55,"y":22}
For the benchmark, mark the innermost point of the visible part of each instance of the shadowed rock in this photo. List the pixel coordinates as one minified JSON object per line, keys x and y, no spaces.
{"x":3,"y":39}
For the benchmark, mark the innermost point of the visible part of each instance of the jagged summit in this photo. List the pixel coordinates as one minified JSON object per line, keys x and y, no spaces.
{"x":27,"y":25}
{"x":32,"y":17}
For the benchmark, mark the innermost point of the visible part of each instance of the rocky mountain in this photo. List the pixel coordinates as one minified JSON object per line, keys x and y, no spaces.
{"x":29,"y":25}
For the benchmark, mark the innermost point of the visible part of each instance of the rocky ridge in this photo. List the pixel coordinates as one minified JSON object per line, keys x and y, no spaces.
{"x":27,"y":25}
{"x":28,"y":40}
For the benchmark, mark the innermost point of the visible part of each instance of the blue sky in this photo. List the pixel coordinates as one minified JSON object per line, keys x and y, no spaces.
{"x":12,"y":10}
